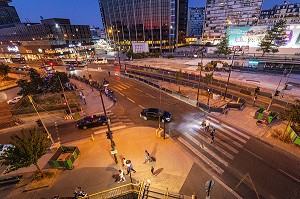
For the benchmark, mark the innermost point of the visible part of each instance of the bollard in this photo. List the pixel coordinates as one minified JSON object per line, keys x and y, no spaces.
{"x":92,"y":137}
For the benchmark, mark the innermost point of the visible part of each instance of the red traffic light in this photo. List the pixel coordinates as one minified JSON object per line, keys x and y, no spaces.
{"x":51,"y":63}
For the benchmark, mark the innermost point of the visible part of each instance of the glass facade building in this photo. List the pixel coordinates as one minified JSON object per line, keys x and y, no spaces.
{"x":195,"y":21}
{"x":8,"y":14}
{"x":161,"y":23}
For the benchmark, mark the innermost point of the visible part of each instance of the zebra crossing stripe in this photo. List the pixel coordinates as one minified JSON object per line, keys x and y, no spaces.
{"x":123,"y":86}
{"x":203,"y":157}
{"x":213,"y":154}
{"x":117,"y":88}
{"x":139,"y":90}
{"x":226,"y":145}
{"x":231,"y":134}
{"x":236,"y":131}
{"x":216,"y":146}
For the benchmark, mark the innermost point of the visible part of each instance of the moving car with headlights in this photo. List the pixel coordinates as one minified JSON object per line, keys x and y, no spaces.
{"x":91,"y":121}
{"x":14,"y":100}
{"x":70,"y":68}
{"x":155,"y":113}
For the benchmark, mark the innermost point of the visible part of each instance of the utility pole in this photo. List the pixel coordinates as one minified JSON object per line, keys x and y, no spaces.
{"x":113,"y":144}
{"x":63,"y":90}
{"x":200,"y":69}
{"x":275,"y":94}
{"x":44,"y":126}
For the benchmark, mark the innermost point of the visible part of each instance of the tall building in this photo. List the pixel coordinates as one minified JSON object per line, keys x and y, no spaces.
{"x":195,"y":21}
{"x":161,"y":23}
{"x":8,"y":14}
{"x":287,"y":11}
{"x":221,"y":14}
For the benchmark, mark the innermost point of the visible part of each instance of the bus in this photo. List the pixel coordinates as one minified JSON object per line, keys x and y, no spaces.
{"x":74,"y":62}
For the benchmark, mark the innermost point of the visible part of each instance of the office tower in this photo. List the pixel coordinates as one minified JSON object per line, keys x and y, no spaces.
{"x":8,"y":14}
{"x":195,"y":21}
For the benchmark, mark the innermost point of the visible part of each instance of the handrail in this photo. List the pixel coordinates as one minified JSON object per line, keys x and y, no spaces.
{"x":142,"y":186}
{"x":117,"y":191}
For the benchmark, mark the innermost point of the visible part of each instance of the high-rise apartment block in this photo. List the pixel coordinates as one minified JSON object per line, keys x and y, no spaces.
{"x":287,"y":11}
{"x":8,"y":14}
{"x":195,"y":21}
{"x":221,"y":14}
{"x":161,"y":23}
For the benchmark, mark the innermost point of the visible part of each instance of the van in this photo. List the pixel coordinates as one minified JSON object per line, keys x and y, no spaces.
{"x":102,"y":60}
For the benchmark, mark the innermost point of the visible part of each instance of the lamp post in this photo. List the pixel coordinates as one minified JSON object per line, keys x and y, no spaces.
{"x":200,"y":69}
{"x":113,"y":144}
{"x":208,"y":97}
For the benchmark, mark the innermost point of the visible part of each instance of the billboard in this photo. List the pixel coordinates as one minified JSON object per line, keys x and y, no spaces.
{"x":252,"y":35}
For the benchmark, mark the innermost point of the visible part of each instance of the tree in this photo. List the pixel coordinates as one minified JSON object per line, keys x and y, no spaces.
{"x":4,"y":70}
{"x":208,"y":78}
{"x":292,"y":114}
{"x":28,"y":148}
{"x":222,"y":47}
{"x":274,"y":38}
{"x":179,"y":78}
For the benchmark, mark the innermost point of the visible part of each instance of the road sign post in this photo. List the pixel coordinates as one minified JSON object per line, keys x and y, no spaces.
{"x":208,"y":187}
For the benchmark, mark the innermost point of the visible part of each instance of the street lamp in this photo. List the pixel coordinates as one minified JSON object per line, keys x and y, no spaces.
{"x":208,"y":96}
{"x":200,"y":69}
{"x":109,"y":133}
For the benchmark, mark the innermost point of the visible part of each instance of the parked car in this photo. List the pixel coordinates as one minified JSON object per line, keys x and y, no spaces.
{"x":4,"y":148}
{"x":70,"y":68}
{"x":155,"y":113}
{"x":14,"y":100}
{"x":91,"y":121}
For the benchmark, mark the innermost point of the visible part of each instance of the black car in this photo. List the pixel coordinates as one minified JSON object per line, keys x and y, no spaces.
{"x":91,"y":121}
{"x":155,"y":113}
{"x":70,"y":68}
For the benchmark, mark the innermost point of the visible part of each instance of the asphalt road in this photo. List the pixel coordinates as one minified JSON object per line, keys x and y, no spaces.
{"x":274,"y":174}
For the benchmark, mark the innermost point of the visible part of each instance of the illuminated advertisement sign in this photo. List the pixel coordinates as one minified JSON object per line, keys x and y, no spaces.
{"x":252,"y":35}
{"x":13,"y":48}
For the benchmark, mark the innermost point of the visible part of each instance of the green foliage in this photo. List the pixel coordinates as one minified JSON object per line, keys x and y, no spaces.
{"x":28,"y":148}
{"x":208,"y":78}
{"x":209,"y":66}
{"x":222,"y":47}
{"x":274,"y":38}
{"x":278,"y":134}
{"x":292,"y":114}
{"x":4,"y":70}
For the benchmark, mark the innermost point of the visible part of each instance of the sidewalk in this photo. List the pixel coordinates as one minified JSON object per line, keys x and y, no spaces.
{"x":95,"y":167}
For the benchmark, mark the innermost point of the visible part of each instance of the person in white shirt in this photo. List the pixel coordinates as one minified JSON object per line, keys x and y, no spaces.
{"x":122,"y":177}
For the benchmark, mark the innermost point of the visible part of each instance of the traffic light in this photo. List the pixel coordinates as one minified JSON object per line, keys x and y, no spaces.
{"x":39,"y":123}
{"x":277,"y":93}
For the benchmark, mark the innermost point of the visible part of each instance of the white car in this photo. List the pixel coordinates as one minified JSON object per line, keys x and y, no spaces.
{"x":14,"y":100}
{"x":4,"y":148}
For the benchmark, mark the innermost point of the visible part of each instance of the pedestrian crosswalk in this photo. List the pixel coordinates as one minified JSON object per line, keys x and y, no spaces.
{"x":116,"y":123}
{"x":219,"y":153}
{"x":122,"y":86}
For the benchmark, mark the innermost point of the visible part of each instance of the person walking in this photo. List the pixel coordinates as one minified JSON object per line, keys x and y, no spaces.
{"x":207,"y":125}
{"x":254,"y":100}
{"x":122,"y":177}
{"x":123,"y":162}
{"x":147,"y":158}
{"x":130,"y":168}
{"x":152,"y":170}
{"x":109,"y":73}
{"x":212,"y":135}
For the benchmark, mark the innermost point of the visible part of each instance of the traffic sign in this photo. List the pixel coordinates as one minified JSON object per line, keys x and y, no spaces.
{"x":209,"y":185}
{"x":114,"y":152}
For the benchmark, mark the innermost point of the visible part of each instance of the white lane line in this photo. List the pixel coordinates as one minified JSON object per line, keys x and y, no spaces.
{"x":238,"y":132}
{"x":138,"y":90}
{"x":289,"y":175}
{"x":141,"y":106}
{"x":120,"y":93}
{"x":231,"y":134}
{"x":227,"y":145}
{"x":112,"y":129}
{"x":130,"y":100}
{"x":253,"y":154}
{"x":150,"y":95}
{"x":203,"y":157}
{"x":218,"y":158}
{"x":213,"y":119}
{"x":216,"y":147}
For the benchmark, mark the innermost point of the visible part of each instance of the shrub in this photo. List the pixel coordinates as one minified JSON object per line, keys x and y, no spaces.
{"x":170,"y":56}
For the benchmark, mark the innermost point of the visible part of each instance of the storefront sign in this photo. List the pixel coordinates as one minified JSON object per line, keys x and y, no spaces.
{"x":13,"y":48}
{"x":28,"y":51}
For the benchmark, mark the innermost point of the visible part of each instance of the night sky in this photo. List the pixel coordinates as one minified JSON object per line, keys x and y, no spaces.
{"x":80,"y":12}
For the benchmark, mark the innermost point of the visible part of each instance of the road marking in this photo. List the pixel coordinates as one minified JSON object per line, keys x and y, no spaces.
{"x":127,"y":84}
{"x":216,"y":146}
{"x":120,"y":93}
{"x":122,"y":86}
{"x":289,"y":175}
{"x":213,"y":119}
{"x":138,"y":90}
{"x":142,"y":107}
{"x":111,"y":125}
{"x":238,"y":132}
{"x":218,"y":158}
{"x":112,"y":129}
{"x":231,"y":134}
{"x":150,"y":95}
{"x":117,"y":88}
{"x":130,"y":100}
{"x":253,"y":154}
{"x":203,"y":157}
{"x":229,"y":140}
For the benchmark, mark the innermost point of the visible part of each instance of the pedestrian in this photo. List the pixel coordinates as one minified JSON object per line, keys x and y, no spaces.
{"x":130,"y":168}
{"x":83,"y":97}
{"x":152,"y":170}
{"x":123,"y":162}
{"x":212,"y":135}
{"x":207,"y":124}
{"x":122,"y":177}
{"x":254,"y":100}
{"x":109,"y":73}
{"x":147,"y":157}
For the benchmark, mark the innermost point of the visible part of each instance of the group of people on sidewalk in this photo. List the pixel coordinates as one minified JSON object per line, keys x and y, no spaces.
{"x":206,"y":125}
